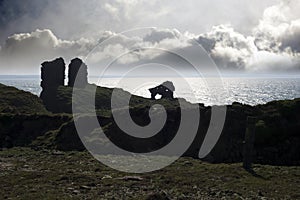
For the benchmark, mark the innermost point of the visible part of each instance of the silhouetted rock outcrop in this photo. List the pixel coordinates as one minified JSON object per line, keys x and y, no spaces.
{"x":22,"y":130}
{"x":77,"y":70}
{"x":277,"y":136}
{"x":166,"y":90}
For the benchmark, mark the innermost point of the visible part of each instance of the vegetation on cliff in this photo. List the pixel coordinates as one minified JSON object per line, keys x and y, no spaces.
{"x":16,"y":101}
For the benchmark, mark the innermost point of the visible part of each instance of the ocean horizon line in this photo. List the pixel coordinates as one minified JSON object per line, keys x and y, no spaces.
{"x":269,"y":75}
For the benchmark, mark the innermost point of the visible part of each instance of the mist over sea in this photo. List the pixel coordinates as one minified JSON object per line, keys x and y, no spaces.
{"x":210,"y":91}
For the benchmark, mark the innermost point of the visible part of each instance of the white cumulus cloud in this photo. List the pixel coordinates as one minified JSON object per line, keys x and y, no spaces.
{"x":273,"y":45}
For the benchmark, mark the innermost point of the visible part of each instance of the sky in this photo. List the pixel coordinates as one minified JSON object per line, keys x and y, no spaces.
{"x":238,"y":35}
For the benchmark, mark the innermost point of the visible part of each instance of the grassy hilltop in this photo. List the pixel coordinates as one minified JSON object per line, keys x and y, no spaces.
{"x":16,"y":101}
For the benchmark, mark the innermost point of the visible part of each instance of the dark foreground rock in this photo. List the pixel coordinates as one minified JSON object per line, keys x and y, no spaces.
{"x":277,"y":138}
{"x":22,"y":130}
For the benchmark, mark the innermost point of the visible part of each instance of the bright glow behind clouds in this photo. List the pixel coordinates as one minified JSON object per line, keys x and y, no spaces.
{"x":238,"y":35}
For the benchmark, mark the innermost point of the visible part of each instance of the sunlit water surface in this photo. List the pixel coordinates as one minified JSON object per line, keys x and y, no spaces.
{"x":210,"y":91}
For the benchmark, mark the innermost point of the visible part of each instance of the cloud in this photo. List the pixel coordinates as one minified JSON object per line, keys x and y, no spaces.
{"x":72,"y":19}
{"x":113,"y":11}
{"x":279,"y":29}
{"x":269,"y":61}
{"x":273,"y":44}
{"x":158,"y":35}
{"x":228,"y":48}
{"x":291,"y":39}
{"x":137,"y":48}
{"x":25,"y":51}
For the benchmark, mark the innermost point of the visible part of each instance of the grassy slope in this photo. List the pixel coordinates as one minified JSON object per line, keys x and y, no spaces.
{"x":28,"y":174}
{"x":17,"y":101}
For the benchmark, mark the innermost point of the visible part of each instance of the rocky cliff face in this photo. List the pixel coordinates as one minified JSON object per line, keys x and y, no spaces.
{"x":22,"y":130}
{"x":277,"y":136}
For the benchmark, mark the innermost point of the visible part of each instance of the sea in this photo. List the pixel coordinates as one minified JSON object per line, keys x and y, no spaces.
{"x":250,"y":90}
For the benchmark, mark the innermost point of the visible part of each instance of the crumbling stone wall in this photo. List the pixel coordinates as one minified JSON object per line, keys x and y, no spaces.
{"x":77,"y":69}
{"x":53,"y":76}
{"x":53,"y":73}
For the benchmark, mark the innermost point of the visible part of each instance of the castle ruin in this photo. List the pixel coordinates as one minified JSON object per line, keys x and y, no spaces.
{"x":53,"y":76}
{"x":78,"y":72}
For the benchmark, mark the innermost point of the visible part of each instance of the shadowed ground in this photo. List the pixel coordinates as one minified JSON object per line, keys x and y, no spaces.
{"x":28,"y":174}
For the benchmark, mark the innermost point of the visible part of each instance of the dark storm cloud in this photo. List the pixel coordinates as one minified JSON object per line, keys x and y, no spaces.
{"x":77,"y":18}
{"x":12,"y":12}
{"x":71,"y":28}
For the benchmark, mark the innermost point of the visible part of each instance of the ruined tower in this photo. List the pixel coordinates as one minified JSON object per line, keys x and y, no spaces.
{"x":53,"y":73}
{"x":53,"y":76}
{"x":78,"y":72}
